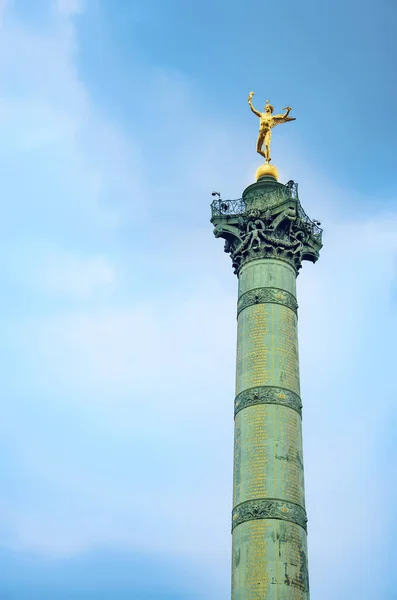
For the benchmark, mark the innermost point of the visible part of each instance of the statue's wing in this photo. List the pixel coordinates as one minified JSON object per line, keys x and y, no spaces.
{"x":278,"y":119}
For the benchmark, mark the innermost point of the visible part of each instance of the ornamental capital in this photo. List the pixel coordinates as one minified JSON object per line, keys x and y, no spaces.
{"x":267,"y":222}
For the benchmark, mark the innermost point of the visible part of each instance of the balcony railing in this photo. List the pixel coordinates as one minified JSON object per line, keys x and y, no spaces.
{"x":227,"y":208}
{"x":312,"y":227}
{"x":235,"y":208}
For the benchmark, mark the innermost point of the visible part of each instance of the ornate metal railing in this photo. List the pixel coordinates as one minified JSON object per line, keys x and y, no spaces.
{"x":292,"y":188}
{"x":312,"y":228}
{"x":227,"y":208}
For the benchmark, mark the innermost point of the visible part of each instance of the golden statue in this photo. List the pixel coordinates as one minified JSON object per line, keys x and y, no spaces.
{"x":266,"y":124}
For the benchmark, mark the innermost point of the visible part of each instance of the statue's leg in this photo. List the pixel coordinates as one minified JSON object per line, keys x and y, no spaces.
{"x":268,"y":138}
{"x":259,"y":144}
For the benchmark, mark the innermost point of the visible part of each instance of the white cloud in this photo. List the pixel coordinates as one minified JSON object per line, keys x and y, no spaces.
{"x":68,"y":275}
{"x":146,"y":350}
{"x":52,"y":131}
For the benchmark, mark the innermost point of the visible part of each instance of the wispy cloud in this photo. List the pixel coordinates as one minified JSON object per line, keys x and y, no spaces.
{"x":68,"y":276}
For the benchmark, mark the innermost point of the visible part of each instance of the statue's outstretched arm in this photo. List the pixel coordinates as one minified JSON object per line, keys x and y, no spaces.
{"x":256,"y":112}
{"x":288,"y":110}
{"x":285,"y":118}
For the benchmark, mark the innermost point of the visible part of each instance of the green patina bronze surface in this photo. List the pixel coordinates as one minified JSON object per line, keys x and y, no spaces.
{"x":268,"y":235}
{"x":267,"y":394}
{"x":267,"y":295}
{"x":269,"y":509}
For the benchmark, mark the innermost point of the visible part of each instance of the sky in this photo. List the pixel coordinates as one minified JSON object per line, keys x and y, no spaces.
{"x":118,"y":118}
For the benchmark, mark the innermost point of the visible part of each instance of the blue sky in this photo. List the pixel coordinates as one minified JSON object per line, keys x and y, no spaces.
{"x":118,"y":118}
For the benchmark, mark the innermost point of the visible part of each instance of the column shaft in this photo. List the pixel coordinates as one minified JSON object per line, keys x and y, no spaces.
{"x":269,"y":520}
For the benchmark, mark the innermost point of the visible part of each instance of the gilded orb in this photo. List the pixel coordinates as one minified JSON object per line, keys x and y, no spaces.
{"x":267,"y":170}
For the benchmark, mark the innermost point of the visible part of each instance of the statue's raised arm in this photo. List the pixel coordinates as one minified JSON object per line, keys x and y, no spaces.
{"x":256,"y":112}
{"x":278,"y":119}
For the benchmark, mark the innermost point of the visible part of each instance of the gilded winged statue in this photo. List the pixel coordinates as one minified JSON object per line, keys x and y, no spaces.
{"x":267,"y":120}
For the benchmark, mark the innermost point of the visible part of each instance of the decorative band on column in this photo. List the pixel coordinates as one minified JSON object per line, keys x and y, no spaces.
{"x":269,"y":508}
{"x":267,"y":294}
{"x":267,"y":395}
